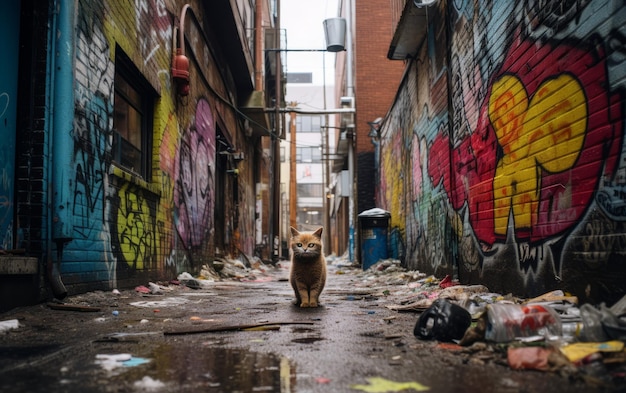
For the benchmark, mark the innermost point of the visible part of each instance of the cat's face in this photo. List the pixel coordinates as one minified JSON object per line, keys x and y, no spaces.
{"x":305,"y":244}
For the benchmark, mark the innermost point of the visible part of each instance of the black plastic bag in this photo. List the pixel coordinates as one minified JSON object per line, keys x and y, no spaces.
{"x":443,"y":321}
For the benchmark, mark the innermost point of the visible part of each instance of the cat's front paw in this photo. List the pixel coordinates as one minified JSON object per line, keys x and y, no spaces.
{"x":305,"y":305}
{"x":313,"y":304}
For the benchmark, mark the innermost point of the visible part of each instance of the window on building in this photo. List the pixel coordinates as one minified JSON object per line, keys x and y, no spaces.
{"x":308,"y":154}
{"x":308,"y":123}
{"x":132,"y":121}
{"x":310,"y":217}
{"x":299,"y":77}
{"x":316,"y":154}
{"x":310,"y":190}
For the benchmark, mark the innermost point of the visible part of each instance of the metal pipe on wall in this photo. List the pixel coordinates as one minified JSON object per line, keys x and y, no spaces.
{"x":62,"y":121}
{"x":352,"y":234}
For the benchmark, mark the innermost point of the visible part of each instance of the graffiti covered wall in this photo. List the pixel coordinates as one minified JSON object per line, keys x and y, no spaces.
{"x":124,"y":224}
{"x":513,"y":139}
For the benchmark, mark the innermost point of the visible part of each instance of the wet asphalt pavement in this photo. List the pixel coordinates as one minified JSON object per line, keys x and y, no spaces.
{"x":192,"y":340}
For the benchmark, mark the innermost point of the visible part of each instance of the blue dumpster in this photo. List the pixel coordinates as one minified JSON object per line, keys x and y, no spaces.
{"x":374,"y":226}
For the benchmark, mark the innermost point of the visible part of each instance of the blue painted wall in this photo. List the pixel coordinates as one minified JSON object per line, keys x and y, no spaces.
{"x":9,"y":46}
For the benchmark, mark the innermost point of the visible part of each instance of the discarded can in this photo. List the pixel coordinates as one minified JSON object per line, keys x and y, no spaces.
{"x":572,"y":329}
{"x":506,"y":321}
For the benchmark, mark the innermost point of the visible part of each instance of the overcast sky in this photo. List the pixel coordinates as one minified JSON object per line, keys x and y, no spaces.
{"x":303,"y":21}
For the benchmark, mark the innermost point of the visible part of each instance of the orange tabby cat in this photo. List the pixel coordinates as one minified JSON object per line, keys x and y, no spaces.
{"x":308,"y":267}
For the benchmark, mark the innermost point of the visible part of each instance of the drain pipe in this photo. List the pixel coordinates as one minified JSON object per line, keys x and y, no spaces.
{"x":63,"y":121}
{"x":60,"y":122}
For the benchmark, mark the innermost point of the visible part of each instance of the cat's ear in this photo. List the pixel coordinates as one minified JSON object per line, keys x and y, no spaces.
{"x":318,"y":233}
{"x":294,"y":231}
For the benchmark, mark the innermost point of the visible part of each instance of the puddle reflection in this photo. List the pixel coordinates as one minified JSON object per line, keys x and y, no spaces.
{"x":222,"y":369}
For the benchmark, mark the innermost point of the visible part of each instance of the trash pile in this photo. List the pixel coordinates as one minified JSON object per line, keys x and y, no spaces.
{"x":551,"y":332}
{"x":220,"y":269}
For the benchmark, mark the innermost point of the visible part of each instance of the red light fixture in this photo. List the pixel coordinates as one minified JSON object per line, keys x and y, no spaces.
{"x":180,"y":62}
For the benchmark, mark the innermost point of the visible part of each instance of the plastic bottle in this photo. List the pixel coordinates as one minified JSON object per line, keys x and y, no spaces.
{"x":507,"y":321}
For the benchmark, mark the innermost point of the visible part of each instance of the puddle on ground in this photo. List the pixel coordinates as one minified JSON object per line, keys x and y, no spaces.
{"x":218,"y":370}
{"x":171,"y":367}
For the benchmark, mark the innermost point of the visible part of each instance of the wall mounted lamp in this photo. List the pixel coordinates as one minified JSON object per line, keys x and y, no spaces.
{"x":180,"y":62}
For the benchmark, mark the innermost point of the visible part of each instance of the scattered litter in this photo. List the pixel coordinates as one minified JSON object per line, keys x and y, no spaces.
{"x":167,"y":302}
{"x":148,"y":384}
{"x":142,"y":289}
{"x":189,"y":281}
{"x":156,"y":289}
{"x":443,"y":321}
{"x":449,"y":346}
{"x":7,"y":325}
{"x":447,"y":282}
{"x":262,"y":328}
{"x":133,"y":361}
{"x":263,"y":389}
{"x":115,"y":313}
{"x":532,"y":358}
{"x":382,"y":385}
{"x":112,"y":361}
{"x":578,"y":351}
{"x":550,"y":332}
{"x":122,"y":336}
{"x":389,"y":319}
{"x":505,"y":322}
{"x":72,"y":307}
{"x":196,"y":319}
{"x":554,"y":296}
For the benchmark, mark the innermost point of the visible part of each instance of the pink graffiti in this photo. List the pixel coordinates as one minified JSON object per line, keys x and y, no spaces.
{"x":194,"y":193}
{"x":467,"y":171}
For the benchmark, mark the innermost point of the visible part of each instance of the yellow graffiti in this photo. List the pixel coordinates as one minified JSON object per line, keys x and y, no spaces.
{"x":394,"y":183}
{"x":142,"y":238}
{"x":543,"y":134}
{"x":134,"y":228}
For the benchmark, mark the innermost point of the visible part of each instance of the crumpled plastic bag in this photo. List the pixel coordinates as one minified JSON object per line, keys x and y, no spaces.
{"x":443,"y":321}
{"x":601,"y":324}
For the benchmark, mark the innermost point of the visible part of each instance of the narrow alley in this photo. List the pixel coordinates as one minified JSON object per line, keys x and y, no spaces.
{"x":245,"y":335}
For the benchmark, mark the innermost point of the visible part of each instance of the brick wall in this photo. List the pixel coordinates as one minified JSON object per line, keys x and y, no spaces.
{"x":375,"y":74}
{"x":502,"y":157}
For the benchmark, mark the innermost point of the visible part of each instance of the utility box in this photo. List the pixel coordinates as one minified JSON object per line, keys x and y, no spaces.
{"x":374,"y":227}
